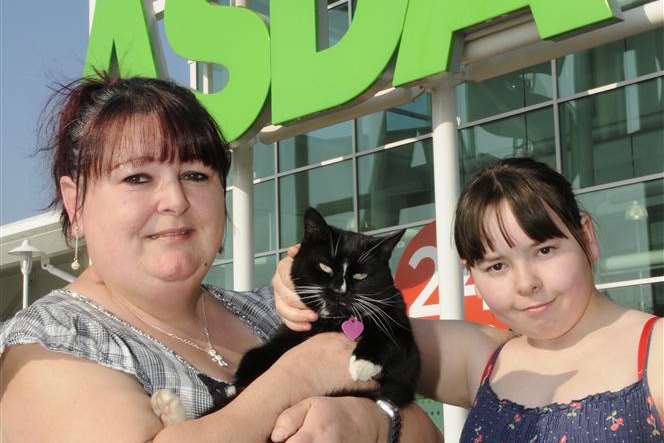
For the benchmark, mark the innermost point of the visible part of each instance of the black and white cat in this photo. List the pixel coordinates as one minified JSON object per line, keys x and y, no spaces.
{"x":345,"y":277}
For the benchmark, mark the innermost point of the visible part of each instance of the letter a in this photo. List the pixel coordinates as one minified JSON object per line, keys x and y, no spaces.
{"x":120,"y":30}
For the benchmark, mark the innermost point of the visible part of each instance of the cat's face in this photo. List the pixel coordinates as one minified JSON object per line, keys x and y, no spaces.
{"x":339,"y":273}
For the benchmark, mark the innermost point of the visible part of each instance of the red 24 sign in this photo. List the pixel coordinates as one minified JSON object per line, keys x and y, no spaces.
{"x":417,"y":279}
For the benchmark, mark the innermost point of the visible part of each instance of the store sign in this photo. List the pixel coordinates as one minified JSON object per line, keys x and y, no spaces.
{"x":285,"y":61}
{"x":417,"y":279}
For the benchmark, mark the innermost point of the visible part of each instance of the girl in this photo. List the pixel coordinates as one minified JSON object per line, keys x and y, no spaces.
{"x":580,"y":367}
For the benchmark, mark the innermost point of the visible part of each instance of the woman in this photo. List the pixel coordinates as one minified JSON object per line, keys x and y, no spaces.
{"x":140,"y":170}
{"x":582,"y":368}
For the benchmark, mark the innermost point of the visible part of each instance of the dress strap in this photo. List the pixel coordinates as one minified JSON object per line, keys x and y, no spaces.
{"x":644,"y":345}
{"x":488,"y":369}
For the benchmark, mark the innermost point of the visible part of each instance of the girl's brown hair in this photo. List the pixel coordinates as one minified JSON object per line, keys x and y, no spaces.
{"x":535,"y":193}
{"x":97,"y":121}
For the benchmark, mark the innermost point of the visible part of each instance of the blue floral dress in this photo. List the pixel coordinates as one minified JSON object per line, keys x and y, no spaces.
{"x":628,"y":415}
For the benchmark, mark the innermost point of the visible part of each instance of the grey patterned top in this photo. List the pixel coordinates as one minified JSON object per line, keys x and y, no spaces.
{"x":67,"y":322}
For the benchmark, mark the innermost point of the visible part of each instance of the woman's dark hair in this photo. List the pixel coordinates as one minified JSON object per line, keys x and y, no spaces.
{"x":97,"y":122}
{"x":535,"y":193}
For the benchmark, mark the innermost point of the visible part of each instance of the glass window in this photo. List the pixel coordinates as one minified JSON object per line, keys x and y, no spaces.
{"x":611,"y":63}
{"x":177,"y":67}
{"x":264,"y":217}
{"x":615,"y":135}
{"x":381,"y":128}
{"x":338,"y":23}
{"x":396,"y":186}
{"x":264,"y":268}
{"x":262,"y":6}
{"x":263,"y":159}
{"x":629,"y":222}
{"x":328,"y":189}
{"x":477,"y":100}
{"x":646,"y":298}
{"x":530,"y":134}
{"x":220,"y":275}
{"x":313,"y":147}
{"x":227,"y":250}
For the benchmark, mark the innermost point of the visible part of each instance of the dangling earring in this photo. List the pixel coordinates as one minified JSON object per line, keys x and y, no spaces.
{"x":75,"y":265}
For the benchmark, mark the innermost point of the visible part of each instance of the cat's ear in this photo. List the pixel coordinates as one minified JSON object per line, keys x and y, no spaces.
{"x":314,"y":224}
{"x":389,"y":242}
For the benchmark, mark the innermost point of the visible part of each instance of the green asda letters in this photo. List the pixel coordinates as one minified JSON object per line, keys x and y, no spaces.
{"x":305,"y":80}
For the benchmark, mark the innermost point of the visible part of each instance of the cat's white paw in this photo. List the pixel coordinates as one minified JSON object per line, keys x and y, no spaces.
{"x":168,"y":407}
{"x":363,"y":370}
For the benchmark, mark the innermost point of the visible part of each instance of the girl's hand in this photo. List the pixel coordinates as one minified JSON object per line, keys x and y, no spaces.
{"x":331,"y":420}
{"x":294,"y":314}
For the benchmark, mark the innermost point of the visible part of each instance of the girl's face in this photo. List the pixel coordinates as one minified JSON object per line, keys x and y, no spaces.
{"x":151,"y":222}
{"x":540,"y":290}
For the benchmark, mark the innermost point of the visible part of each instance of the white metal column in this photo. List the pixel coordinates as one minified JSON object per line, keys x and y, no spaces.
{"x":243,"y":217}
{"x":447,"y":188}
{"x":243,"y":209}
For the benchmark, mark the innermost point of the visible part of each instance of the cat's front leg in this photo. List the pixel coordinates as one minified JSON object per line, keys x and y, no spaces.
{"x":366,"y":362}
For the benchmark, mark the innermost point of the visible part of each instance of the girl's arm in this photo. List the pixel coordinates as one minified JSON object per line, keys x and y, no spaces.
{"x":48,"y":396}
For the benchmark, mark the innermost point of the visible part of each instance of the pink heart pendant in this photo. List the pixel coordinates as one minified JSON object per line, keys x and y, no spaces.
{"x":352,"y":328}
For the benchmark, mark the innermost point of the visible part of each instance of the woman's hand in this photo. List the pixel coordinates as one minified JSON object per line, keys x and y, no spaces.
{"x":294,"y":314}
{"x":331,"y":420}
{"x":350,"y":419}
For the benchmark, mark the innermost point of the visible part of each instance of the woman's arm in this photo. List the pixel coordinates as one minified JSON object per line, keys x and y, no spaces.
{"x":72,"y":399}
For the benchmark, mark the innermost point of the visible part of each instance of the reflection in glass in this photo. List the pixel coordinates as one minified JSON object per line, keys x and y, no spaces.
{"x":328,"y":189}
{"x":530,"y":135}
{"x":611,"y":63}
{"x":477,"y":100}
{"x":396,"y":186}
{"x":614,"y":135}
{"x":264,"y":217}
{"x":313,"y":147}
{"x":646,"y":298}
{"x":630,"y":228}
{"x":220,"y":275}
{"x":381,"y":128}
{"x":264,"y":268}
{"x":263,"y":159}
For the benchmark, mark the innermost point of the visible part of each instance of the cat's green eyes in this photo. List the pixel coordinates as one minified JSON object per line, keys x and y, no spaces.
{"x":325,"y":268}
{"x":359,"y":276}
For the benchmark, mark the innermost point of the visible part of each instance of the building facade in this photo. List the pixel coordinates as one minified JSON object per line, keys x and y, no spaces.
{"x":596,"y":115}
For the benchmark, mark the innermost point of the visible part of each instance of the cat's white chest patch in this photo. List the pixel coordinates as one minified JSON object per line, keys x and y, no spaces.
{"x":363,"y":370}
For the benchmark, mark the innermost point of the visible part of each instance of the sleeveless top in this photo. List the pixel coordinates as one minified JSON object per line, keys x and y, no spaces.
{"x":70,"y":323}
{"x":627,"y":415}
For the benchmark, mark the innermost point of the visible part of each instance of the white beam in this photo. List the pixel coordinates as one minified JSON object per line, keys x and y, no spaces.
{"x":447,"y":188}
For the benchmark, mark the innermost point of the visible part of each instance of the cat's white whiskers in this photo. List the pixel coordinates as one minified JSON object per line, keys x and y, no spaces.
{"x":378,"y":318}
{"x":336,"y":247}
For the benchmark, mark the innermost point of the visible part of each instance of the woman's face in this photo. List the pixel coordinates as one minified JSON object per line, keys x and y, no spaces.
{"x":152,"y":222}
{"x":540,"y":290}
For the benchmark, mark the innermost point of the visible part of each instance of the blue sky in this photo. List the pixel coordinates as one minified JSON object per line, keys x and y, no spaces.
{"x":41,"y":43}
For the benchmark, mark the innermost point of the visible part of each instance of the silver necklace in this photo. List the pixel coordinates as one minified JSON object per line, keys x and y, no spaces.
{"x":210,"y":351}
